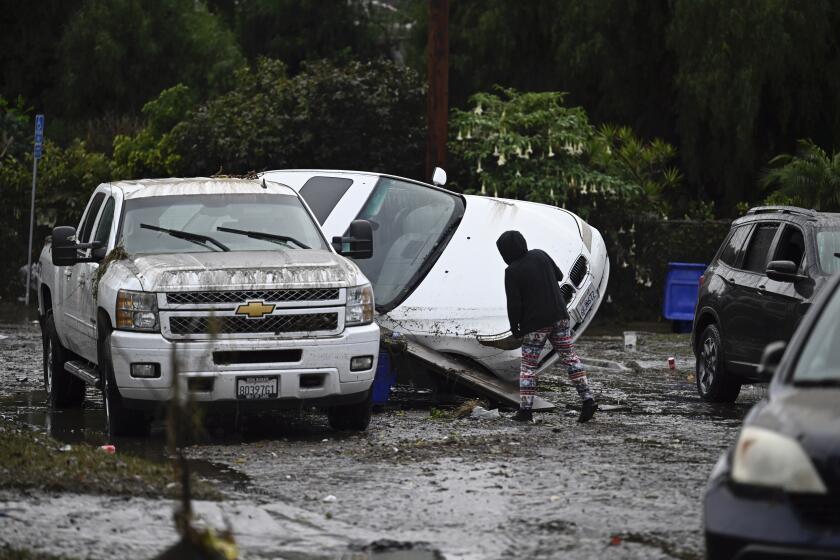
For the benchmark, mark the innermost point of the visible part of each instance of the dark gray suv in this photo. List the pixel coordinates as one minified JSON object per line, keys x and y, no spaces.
{"x":756,"y":290}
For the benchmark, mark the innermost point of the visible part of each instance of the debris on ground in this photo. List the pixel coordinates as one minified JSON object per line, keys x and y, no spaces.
{"x":481,"y":413}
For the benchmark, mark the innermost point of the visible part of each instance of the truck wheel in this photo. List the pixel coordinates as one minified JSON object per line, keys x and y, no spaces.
{"x":63,"y":388}
{"x":355,"y":417}
{"x":713,"y":382}
{"x":121,"y":421}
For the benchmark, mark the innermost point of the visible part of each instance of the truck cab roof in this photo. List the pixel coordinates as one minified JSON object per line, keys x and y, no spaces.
{"x":196,"y":186}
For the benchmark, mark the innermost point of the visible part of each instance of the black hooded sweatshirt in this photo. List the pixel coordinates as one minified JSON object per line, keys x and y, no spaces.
{"x":532,"y":286}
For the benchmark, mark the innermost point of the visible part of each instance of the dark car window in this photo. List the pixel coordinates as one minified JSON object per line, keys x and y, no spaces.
{"x":732,"y":246}
{"x":104,"y":227}
{"x":323,"y":193}
{"x":791,"y":246}
{"x":819,"y":359}
{"x":759,"y":247}
{"x":83,"y":235}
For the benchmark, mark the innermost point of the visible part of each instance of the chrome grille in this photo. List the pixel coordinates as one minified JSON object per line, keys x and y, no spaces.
{"x":578,"y":272}
{"x":568,"y":292}
{"x":240,"y":296}
{"x":184,"y":326}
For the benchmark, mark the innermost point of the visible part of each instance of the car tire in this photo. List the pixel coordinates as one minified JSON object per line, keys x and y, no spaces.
{"x":714,"y":384}
{"x":64,"y":390}
{"x":120,"y":421}
{"x":352,"y":417}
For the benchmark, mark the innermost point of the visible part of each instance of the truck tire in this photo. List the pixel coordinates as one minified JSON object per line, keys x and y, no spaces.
{"x":64,"y":389}
{"x":121,"y":421}
{"x":714,"y":383}
{"x":353,"y":417}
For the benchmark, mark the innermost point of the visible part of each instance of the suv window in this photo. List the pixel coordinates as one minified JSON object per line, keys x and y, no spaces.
{"x":83,"y":235}
{"x":791,"y":246}
{"x":323,"y":193}
{"x":104,"y":227}
{"x":759,"y":247}
{"x":732,"y":246}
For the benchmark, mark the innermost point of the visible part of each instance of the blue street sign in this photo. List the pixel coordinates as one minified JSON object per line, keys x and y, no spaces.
{"x":39,"y":136}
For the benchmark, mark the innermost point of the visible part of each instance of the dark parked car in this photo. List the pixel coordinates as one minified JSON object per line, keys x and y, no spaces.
{"x":756,"y":290}
{"x":776,"y":492}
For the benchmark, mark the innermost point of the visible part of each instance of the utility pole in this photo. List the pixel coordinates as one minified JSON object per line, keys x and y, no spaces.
{"x":437,"y":98}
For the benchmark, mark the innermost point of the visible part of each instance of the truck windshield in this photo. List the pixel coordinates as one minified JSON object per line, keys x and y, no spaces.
{"x":222,"y":218}
{"x":411,"y":225}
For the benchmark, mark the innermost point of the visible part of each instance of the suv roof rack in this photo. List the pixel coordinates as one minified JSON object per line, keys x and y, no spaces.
{"x":782,"y":210}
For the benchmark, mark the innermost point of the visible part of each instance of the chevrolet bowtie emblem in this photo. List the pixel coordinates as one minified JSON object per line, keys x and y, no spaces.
{"x":255,"y":309}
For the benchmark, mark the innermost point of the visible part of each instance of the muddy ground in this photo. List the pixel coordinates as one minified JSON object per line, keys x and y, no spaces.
{"x":419,"y":484}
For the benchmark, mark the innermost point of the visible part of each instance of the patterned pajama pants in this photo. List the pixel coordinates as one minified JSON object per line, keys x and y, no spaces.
{"x":560,"y":336}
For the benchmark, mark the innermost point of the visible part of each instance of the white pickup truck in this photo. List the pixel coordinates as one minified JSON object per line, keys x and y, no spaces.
{"x":226,"y":286}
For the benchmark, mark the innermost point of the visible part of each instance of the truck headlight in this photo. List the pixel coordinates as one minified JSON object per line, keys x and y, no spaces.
{"x":765,"y":458}
{"x":359,"y":306}
{"x":137,"y":311}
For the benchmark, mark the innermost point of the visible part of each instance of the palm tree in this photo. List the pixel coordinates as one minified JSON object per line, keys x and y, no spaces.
{"x":810,"y":178}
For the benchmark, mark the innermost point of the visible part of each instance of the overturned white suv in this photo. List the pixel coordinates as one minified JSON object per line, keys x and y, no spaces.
{"x":227,"y":286}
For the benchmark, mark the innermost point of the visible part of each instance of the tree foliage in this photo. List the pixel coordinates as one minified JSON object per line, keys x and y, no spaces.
{"x":810,"y":178}
{"x":355,"y":116}
{"x":117,"y":54}
{"x":531,"y":146}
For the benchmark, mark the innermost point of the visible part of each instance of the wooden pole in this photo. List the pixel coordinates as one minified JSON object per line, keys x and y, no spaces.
{"x":437,"y":98}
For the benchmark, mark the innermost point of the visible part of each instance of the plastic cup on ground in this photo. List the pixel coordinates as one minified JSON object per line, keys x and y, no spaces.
{"x":630,"y":341}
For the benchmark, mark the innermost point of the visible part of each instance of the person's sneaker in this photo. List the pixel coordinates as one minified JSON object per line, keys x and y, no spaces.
{"x":522,"y":415}
{"x":587,"y":410}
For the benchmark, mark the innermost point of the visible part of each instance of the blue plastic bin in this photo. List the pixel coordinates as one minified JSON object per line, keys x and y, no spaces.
{"x":681,"y":286}
{"x":384,"y":379}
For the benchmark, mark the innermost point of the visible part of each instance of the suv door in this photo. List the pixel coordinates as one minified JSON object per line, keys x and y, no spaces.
{"x":785,"y":300}
{"x":730,"y":292}
{"x":69,"y":301}
{"x":758,"y":310}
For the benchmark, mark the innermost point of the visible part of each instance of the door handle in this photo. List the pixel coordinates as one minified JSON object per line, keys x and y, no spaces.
{"x":761,"y":290}
{"x":68,"y":272}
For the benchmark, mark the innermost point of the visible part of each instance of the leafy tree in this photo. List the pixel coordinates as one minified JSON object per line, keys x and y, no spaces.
{"x":117,"y":54}
{"x":151,"y":152}
{"x":531,"y":146}
{"x":809,"y":178}
{"x":357,"y":115}
{"x":751,"y":76}
{"x":295,"y":31}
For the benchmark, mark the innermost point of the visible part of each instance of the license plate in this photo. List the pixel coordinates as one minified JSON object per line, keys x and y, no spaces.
{"x":585,"y":306}
{"x":256,"y":388}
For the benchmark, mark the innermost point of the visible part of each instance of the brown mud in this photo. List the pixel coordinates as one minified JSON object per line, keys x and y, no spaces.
{"x":416,"y":485}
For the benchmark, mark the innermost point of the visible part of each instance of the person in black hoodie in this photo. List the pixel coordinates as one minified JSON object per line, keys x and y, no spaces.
{"x":537,"y":312}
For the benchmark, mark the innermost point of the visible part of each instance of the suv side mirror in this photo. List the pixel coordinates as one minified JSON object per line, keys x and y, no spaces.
{"x":783,"y":271}
{"x":770,"y":359}
{"x":65,"y":250}
{"x":358,"y":244}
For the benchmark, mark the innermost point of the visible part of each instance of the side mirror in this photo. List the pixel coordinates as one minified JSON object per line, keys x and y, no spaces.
{"x":65,"y":250}
{"x":358,"y":243}
{"x":783,"y":271}
{"x":439,"y":177}
{"x":64,"y":246}
{"x":770,"y":360}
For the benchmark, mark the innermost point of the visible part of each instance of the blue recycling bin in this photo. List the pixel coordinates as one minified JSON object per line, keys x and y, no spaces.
{"x":384,"y":379}
{"x":681,"y":286}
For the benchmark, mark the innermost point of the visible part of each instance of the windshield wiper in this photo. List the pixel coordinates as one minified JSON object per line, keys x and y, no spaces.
{"x":196,"y":238}
{"x":265,"y":236}
{"x":824,"y":382}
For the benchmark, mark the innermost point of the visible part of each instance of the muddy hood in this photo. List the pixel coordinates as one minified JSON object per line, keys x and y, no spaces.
{"x":244,"y":270}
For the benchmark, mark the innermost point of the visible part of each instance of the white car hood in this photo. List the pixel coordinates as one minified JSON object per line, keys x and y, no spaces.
{"x":464,"y":294}
{"x":244,"y":270}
